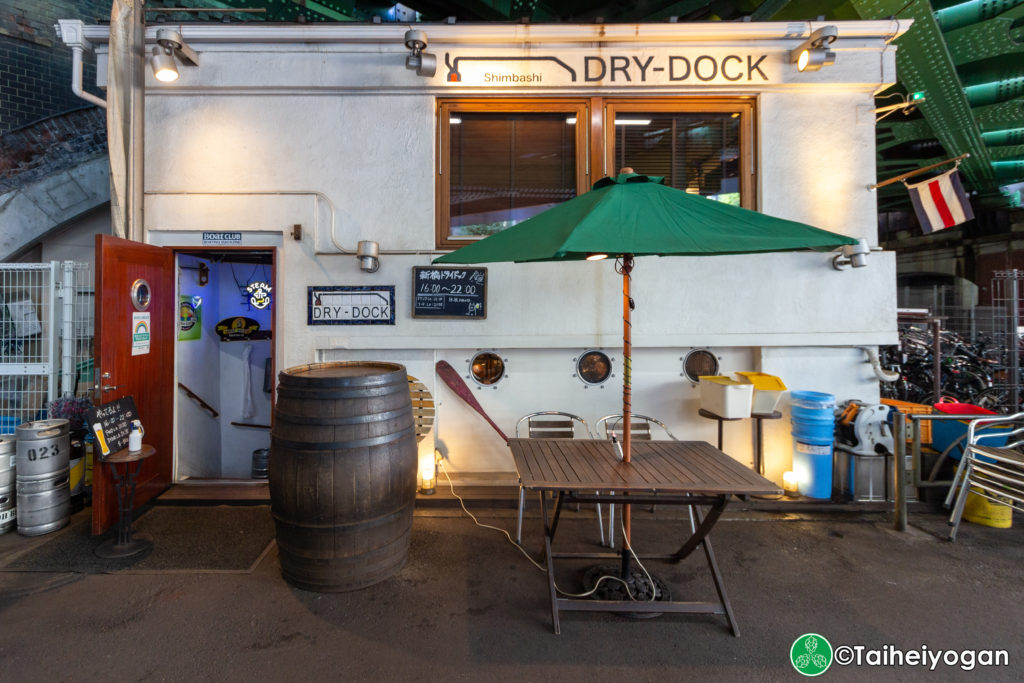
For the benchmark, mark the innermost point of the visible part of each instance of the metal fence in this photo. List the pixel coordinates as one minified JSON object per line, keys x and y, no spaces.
{"x":46,"y":337}
{"x":989,"y":335}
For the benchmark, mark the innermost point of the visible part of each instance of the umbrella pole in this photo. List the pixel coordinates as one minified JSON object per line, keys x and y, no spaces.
{"x":627,"y":394}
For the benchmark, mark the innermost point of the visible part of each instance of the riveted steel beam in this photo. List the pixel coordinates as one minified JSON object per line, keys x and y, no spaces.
{"x":923,"y":63}
{"x":992,"y":38}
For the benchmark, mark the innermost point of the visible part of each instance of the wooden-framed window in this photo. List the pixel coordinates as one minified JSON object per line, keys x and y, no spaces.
{"x":703,"y":146}
{"x":501,"y":161}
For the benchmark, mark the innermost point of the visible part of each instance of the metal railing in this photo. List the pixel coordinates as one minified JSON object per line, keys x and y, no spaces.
{"x":900,"y":446}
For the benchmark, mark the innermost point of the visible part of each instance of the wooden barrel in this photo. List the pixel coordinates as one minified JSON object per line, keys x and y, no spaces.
{"x":342,"y":473}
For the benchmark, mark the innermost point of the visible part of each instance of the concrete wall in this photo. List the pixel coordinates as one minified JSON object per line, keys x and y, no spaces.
{"x":262,"y":137}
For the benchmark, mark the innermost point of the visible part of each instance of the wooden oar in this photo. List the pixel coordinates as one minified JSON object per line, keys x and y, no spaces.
{"x":450,"y":376}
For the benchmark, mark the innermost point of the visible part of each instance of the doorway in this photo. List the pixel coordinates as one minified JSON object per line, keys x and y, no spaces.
{"x":224,"y":355}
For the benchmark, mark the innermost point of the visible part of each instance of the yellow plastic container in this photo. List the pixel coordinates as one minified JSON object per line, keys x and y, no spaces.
{"x":981,"y":510}
{"x":767,"y":391}
{"x":725,"y":397}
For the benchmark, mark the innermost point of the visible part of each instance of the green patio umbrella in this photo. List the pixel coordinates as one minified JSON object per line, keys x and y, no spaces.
{"x":637,"y":215}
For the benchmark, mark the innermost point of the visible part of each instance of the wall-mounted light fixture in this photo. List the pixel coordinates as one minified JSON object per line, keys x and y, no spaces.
{"x":368,"y":253}
{"x":853,"y":255}
{"x":170,"y":46}
{"x":423,"y":63}
{"x":814,"y":52}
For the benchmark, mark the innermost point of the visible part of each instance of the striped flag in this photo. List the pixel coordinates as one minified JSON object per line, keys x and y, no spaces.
{"x":940,"y":202}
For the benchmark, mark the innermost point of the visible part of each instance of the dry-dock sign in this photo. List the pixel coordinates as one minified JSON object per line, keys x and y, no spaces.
{"x":351,"y":305}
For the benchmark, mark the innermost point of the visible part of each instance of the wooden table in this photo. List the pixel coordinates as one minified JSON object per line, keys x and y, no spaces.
{"x":689,"y":473}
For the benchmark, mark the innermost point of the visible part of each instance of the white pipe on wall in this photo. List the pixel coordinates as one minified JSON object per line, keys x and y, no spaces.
{"x":76,"y":78}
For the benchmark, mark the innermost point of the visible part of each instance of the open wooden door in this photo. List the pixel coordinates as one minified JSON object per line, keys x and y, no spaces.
{"x":127,"y":366}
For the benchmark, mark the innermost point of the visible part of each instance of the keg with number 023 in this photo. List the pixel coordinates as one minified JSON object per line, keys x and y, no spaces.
{"x":42,"y":476}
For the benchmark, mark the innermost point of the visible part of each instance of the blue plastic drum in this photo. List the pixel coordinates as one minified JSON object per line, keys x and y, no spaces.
{"x":813,"y":427}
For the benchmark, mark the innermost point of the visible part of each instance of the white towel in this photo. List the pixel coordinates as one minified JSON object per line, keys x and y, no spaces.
{"x":248,"y":407}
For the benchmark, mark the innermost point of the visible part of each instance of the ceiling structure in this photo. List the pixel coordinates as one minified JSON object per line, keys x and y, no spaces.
{"x":965,"y":58}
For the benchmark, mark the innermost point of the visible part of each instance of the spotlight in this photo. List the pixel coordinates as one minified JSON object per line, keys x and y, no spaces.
{"x":855,"y":255}
{"x":170,"y":46}
{"x":423,"y":63}
{"x":368,"y":253}
{"x":813,"y":53}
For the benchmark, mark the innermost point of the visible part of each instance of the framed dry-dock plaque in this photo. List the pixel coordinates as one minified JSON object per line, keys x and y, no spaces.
{"x":351,"y":305}
{"x":448,"y":292}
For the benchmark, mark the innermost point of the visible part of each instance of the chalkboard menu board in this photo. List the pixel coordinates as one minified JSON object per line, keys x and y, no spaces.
{"x":110,"y":424}
{"x":449,"y":292}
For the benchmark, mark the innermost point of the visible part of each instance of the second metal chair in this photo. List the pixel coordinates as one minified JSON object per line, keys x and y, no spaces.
{"x":640,"y":430}
{"x":550,"y":424}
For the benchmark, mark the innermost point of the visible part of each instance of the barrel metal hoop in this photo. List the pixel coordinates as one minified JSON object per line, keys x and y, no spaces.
{"x":364,"y":523}
{"x":351,"y":420}
{"x":396,"y":378}
{"x":333,"y":445}
{"x":313,"y":395}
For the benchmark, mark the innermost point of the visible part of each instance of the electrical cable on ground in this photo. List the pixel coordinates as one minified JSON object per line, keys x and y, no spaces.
{"x":540,"y":567}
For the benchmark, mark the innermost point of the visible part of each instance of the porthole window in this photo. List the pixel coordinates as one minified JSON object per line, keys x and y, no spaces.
{"x":141,"y":295}
{"x":699,"y":362}
{"x":594,"y":367}
{"x":487,"y":368}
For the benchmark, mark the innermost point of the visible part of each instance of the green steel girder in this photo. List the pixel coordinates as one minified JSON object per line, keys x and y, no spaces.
{"x":972,"y":12}
{"x":899,"y":132}
{"x":992,"y":38}
{"x":768,"y":9}
{"x":923,"y":63}
{"x":1008,"y":114}
{"x":1007,"y":153}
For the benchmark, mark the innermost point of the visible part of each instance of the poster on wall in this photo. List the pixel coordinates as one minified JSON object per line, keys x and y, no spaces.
{"x":190,"y":318}
{"x":140,"y":333}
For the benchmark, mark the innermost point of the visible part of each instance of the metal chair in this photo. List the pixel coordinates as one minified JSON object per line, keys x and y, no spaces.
{"x":995,"y":470}
{"x":640,"y":430}
{"x":549,"y":424}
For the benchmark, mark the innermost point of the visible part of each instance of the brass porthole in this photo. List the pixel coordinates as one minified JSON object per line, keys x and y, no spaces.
{"x":594,"y":367}
{"x":487,"y":368}
{"x":699,"y":362}
{"x":141,"y":295}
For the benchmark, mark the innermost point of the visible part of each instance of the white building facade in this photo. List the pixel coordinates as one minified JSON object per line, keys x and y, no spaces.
{"x":325,"y":128}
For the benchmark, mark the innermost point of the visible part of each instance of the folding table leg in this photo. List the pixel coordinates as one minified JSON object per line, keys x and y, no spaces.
{"x":709,"y":554}
{"x":703,"y":529}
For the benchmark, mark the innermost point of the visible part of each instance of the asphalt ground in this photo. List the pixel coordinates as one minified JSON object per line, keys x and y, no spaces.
{"x":468,"y":606}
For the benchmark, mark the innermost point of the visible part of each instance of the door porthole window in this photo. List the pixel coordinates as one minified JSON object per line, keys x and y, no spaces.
{"x":141,"y":295}
{"x":487,"y":369}
{"x":594,"y":368}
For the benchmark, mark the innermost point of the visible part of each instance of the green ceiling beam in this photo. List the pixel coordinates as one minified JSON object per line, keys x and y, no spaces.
{"x":898,"y":132}
{"x":971,"y":12}
{"x":1004,"y":137}
{"x":923,"y":63}
{"x":984,"y":40}
{"x":1008,"y":114}
{"x":665,"y":10}
{"x":768,"y":9}
{"x":329,"y":10}
{"x":981,"y":41}
{"x":1007,"y":153}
